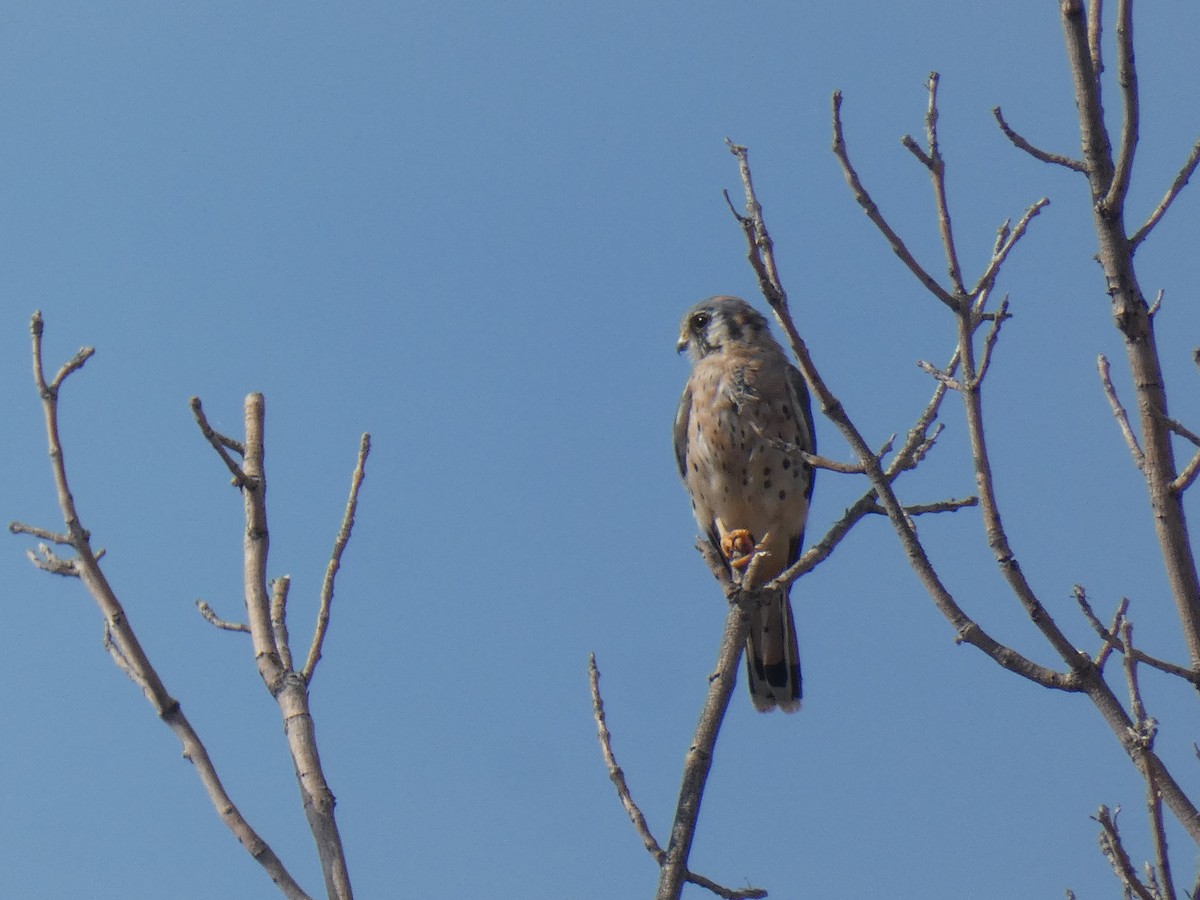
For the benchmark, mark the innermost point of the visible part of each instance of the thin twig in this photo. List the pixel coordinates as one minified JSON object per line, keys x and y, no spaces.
{"x":1113,"y":630}
{"x":279,"y":597}
{"x":45,"y":534}
{"x":1146,"y":729}
{"x":1159,"y":831}
{"x":1020,"y":143}
{"x":1114,"y":852}
{"x":1107,"y":635}
{"x":1156,"y":305}
{"x":1185,"y":174}
{"x":989,"y":343}
{"x":120,"y":659}
{"x":933,"y":161}
{"x":1137,"y":709}
{"x":922,"y":509}
{"x":1127,"y":79}
{"x":49,"y":561}
{"x":1187,"y":476}
{"x":869,"y":206}
{"x":1122,"y":417}
{"x":942,"y":378}
{"x":813,"y":459}
{"x":1095,"y":56}
{"x":220,"y":443}
{"x":335,"y":558}
{"x":832,"y":465}
{"x":1182,"y":430}
{"x":1111,"y":637}
{"x":72,"y":365}
{"x":212,"y":618}
{"x":1005,"y":246}
{"x":615,"y":773}
{"x":723,"y":892}
{"x":938,"y":175}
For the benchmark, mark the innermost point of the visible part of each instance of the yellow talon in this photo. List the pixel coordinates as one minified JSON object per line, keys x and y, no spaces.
{"x":738,"y":547}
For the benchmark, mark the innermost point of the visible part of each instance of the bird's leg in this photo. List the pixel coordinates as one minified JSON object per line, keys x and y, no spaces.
{"x":738,"y":547}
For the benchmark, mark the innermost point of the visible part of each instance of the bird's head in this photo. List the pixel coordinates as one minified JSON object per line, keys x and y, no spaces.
{"x":715,"y":323}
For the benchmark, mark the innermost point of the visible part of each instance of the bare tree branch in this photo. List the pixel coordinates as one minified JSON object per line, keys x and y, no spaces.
{"x":212,"y":618}
{"x":761,"y":255}
{"x":1021,"y":143}
{"x":813,"y":459}
{"x":989,"y":342}
{"x":872,"y":210}
{"x":1004,"y":247}
{"x":1127,"y":79}
{"x":45,"y":534}
{"x":288,"y":687}
{"x":1131,"y":314}
{"x":220,"y":443}
{"x":921,"y":509}
{"x":335,"y":559}
{"x":120,"y":639}
{"x":48,"y":561}
{"x":121,"y":660}
{"x":941,"y":377}
{"x":933,"y":161}
{"x":1122,"y":417}
{"x":1114,"y":852}
{"x":698,"y":761}
{"x":279,"y":598}
{"x":1182,"y":430}
{"x":615,"y":773}
{"x":1162,"y":885}
{"x":1187,"y":476}
{"x":1095,"y":57}
{"x":1083,"y":53}
{"x":1111,"y":637}
{"x":1181,"y":180}
{"x":1137,"y":709}
{"x":1107,"y":635}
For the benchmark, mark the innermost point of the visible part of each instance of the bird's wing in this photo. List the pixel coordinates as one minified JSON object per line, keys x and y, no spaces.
{"x":808,"y":439}
{"x":681,"y":430}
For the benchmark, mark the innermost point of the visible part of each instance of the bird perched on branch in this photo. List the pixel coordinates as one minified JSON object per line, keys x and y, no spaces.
{"x":743,"y":418}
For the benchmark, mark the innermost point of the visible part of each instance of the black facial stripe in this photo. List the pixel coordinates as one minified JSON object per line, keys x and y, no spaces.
{"x":733,"y":328}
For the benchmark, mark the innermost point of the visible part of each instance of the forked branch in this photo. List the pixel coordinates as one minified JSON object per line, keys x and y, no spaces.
{"x":762,"y":261}
{"x":119,"y":637}
{"x":617,"y":776}
{"x":1082,"y":673}
{"x":335,"y":559}
{"x":266,"y":612}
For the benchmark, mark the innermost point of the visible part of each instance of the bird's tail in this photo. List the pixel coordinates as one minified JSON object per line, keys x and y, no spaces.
{"x":773,"y":657}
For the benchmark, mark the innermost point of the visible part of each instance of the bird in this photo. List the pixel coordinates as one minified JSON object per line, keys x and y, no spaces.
{"x":744,"y":415}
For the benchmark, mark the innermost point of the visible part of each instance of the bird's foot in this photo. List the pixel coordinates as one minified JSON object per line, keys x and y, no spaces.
{"x":739,"y":548}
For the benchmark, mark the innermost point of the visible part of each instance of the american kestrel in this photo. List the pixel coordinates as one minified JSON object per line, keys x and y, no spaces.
{"x":743,"y":414}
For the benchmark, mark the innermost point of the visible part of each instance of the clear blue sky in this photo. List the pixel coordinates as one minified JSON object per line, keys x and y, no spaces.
{"x":470,"y":229}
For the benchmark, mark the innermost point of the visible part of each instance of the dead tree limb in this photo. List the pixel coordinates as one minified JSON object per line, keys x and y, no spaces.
{"x":1107,"y":180}
{"x":120,"y":639}
{"x":266,"y":618}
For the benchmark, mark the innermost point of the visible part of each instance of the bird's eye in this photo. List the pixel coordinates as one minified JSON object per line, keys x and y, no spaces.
{"x":699,"y":320}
